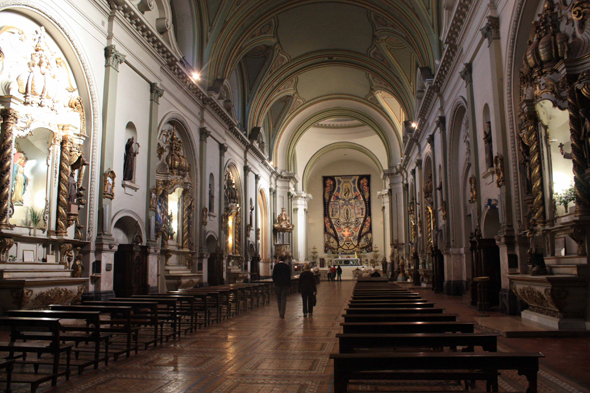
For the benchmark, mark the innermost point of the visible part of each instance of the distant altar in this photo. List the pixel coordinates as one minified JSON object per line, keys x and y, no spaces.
{"x":347,"y":261}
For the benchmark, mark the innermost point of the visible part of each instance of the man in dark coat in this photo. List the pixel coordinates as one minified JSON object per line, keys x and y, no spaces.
{"x":281,"y":276}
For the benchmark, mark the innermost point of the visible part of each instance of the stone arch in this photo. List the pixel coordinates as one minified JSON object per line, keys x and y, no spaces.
{"x":124,"y":227}
{"x":455,"y":179}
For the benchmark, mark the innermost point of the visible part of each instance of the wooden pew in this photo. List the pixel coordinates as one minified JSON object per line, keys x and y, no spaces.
{"x":350,"y":342}
{"x":54,"y":347}
{"x":7,"y":365}
{"x":167,"y":312}
{"x":187,"y":308}
{"x":119,"y":323}
{"x":399,"y":317}
{"x":144,"y":314}
{"x":89,"y":332}
{"x":440,"y":366}
{"x":408,"y":327}
{"x":390,"y":305}
{"x":381,"y":310}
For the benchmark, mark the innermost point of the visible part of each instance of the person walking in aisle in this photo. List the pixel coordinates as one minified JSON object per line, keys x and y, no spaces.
{"x":307,"y":289}
{"x":339,"y":273}
{"x":333,"y":271}
{"x":281,"y":276}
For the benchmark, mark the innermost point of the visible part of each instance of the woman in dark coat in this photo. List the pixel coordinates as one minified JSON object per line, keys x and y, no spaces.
{"x":307,"y":289}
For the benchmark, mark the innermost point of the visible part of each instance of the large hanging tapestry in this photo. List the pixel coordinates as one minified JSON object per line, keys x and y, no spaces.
{"x":347,"y":214}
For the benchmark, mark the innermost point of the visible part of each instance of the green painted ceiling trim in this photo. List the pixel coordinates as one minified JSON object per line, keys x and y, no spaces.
{"x":335,"y":146}
{"x":337,"y":112}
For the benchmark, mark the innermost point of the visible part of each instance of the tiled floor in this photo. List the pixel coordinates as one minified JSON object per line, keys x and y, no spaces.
{"x":259,"y":352}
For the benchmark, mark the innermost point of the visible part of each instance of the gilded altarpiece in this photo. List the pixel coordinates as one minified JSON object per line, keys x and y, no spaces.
{"x":43,"y":150}
{"x":172,"y":203}
{"x":554,"y":154}
{"x":347,"y":214}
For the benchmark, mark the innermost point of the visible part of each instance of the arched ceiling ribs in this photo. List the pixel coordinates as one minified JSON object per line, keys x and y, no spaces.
{"x":283,"y":79}
{"x":238,"y":25}
{"x":338,"y":112}
{"x":336,"y":146}
{"x":293,"y":113}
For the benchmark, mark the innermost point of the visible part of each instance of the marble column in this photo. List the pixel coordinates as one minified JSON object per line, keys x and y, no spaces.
{"x":245,"y":217}
{"x":300,"y":206}
{"x":105,"y":243}
{"x":204,"y":134}
{"x":113,"y":59}
{"x":156,"y":279}
{"x":466,"y":75}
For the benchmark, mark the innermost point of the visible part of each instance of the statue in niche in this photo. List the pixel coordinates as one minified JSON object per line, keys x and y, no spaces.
{"x":131,"y":150}
{"x":211,"y":198}
{"x":20,"y":180}
{"x":487,"y":140}
{"x":72,"y":188}
{"x":231,"y":193}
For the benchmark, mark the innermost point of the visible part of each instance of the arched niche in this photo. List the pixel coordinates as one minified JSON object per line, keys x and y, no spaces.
{"x":263,"y":237}
{"x":131,"y":149}
{"x":44,"y":87}
{"x":490,"y":222}
{"x":127,"y":230}
{"x":172,"y":200}
{"x":429,"y":214}
{"x":458,"y":160}
{"x":487,"y":138}
{"x":232,"y":217}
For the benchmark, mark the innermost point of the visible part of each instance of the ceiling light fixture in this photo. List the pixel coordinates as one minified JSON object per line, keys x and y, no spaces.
{"x":196,"y":76}
{"x":414,"y":125}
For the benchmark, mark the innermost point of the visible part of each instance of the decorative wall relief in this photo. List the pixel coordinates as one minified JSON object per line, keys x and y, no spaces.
{"x":347,"y":214}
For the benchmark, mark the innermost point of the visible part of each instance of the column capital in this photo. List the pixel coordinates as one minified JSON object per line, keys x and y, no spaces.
{"x":113,"y":57}
{"x":9,"y":115}
{"x":256,"y":178}
{"x":419,"y":163}
{"x":466,"y":73}
{"x":441,"y":123}
{"x":491,"y":30}
{"x":204,"y":133}
{"x":223,"y":148}
{"x":247,"y":169}
{"x":156,"y":92}
{"x":430,"y":140}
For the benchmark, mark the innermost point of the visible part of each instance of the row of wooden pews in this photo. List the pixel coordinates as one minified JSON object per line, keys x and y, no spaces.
{"x":391,"y":333}
{"x":98,"y":332}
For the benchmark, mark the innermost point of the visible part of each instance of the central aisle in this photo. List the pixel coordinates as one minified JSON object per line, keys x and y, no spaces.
{"x":254,"y":352}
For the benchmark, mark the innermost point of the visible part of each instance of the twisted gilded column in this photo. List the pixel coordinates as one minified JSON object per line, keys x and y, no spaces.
{"x":187,"y":215}
{"x":9,"y":118}
{"x":533,"y":142}
{"x":64,"y":173}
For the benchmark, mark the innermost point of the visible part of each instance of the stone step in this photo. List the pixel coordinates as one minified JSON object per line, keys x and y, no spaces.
{"x":566,"y":260}
{"x":31,"y":266}
{"x":34,"y":274}
{"x":570,"y":270}
{"x":175,"y":267}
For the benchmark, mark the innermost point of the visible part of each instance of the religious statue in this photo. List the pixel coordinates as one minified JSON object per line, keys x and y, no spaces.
{"x":499,"y":165}
{"x":472,"y":190}
{"x":524,"y":158}
{"x":20,"y":180}
{"x":537,"y":249}
{"x":211,"y":198}
{"x":487,"y":140}
{"x":109,"y":184}
{"x":78,"y":267}
{"x":72,"y":188}
{"x":231,"y":193}
{"x":131,"y":150}
{"x":283,"y":223}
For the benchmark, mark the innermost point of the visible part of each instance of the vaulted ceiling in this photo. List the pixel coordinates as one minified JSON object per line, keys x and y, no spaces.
{"x":291,"y":65}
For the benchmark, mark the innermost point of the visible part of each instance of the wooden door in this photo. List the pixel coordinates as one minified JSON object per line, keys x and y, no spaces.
{"x":131,"y":273}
